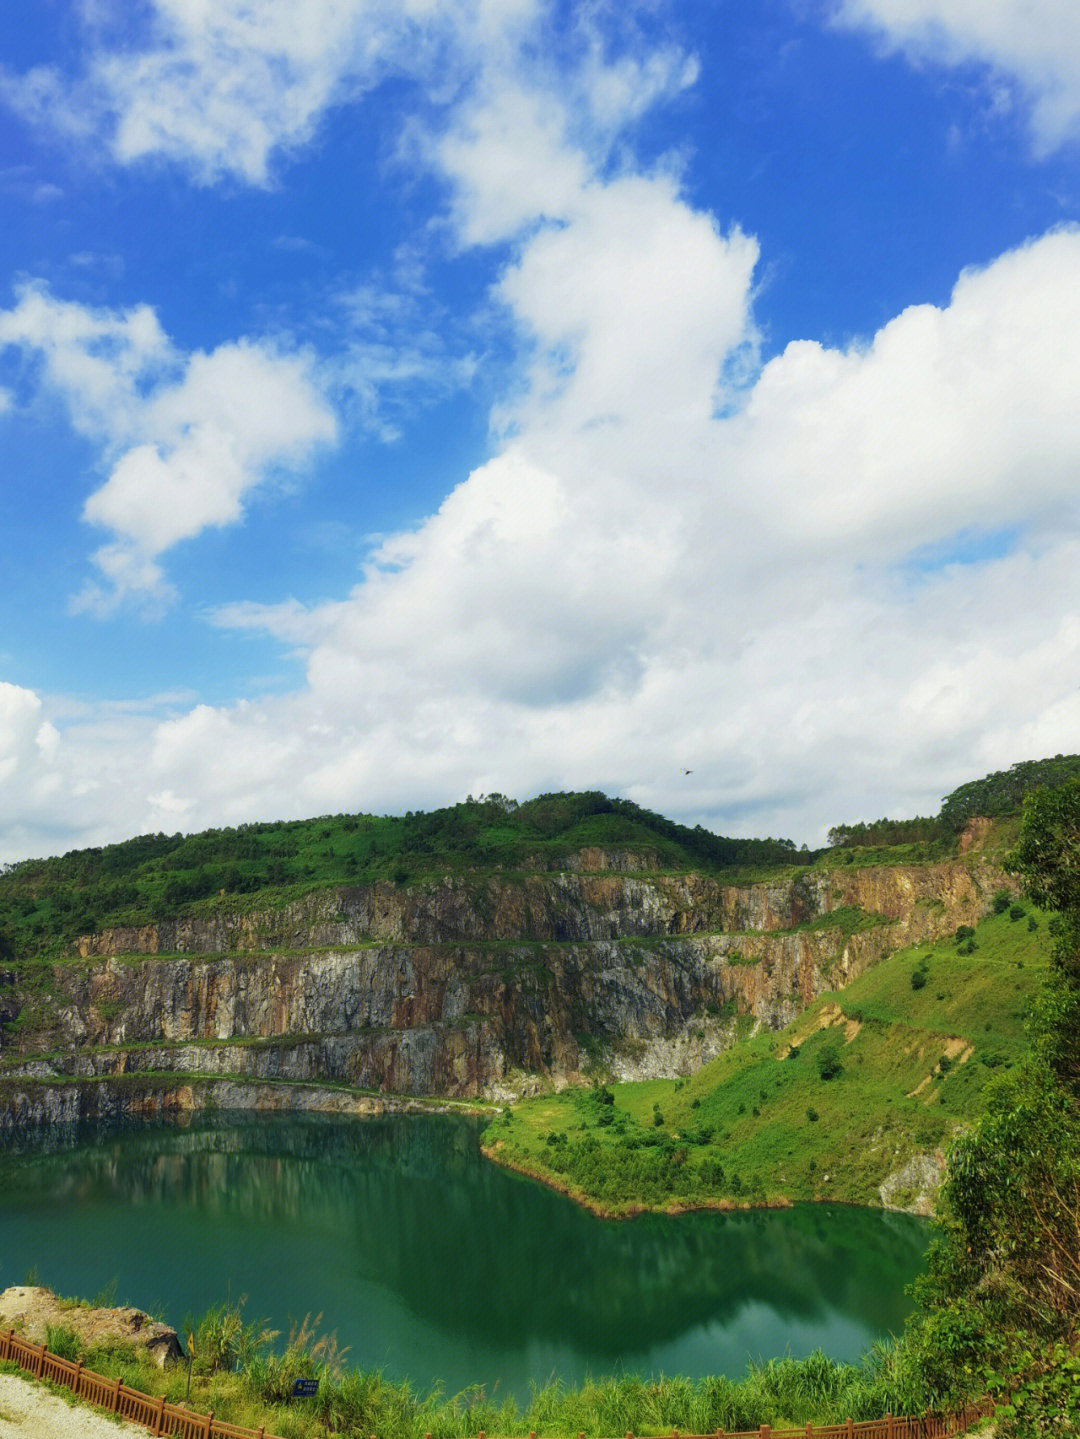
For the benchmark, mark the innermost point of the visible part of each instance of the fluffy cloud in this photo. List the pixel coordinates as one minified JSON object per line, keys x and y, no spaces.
{"x":186,"y":437}
{"x":853,"y":573}
{"x":223,"y":89}
{"x":950,"y":420}
{"x":766,"y":597}
{"x":219,"y":88}
{"x":1032,"y":43}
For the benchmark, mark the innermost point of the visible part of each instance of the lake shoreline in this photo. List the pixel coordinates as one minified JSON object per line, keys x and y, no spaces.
{"x":601,"y":1210}
{"x":153,"y":1096}
{"x":631,"y":1210}
{"x":42,"y":1100}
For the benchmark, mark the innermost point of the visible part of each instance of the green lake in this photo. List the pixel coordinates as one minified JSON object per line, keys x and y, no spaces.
{"x":432,"y":1264}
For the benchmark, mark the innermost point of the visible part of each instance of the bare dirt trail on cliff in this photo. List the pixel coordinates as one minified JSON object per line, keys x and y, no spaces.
{"x":29,"y":1412}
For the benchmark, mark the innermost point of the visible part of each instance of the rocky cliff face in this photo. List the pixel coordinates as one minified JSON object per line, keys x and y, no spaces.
{"x":490,"y":989}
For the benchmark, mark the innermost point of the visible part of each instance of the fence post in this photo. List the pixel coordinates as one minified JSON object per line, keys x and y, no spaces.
{"x":809,"y":1429}
{"x":160,"y":1415}
{"x":5,"y":1343}
{"x":116,"y":1396}
{"x":764,"y":1432}
{"x":209,"y":1424}
{"x":76,"y":1378}
{"x":850,"y":1428}
{"x":890,"y":1429}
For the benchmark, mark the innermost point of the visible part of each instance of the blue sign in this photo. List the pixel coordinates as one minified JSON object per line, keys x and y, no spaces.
{"x":305,"y":1388}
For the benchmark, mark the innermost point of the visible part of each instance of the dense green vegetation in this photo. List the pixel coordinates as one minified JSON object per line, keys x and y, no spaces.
{"x":46,"y":904}
{"x":996,"y":796}
{"x":826,"y":1108}
{"x":1000,"y":1306}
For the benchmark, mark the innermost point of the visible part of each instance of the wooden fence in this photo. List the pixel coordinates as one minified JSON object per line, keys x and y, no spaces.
{"x":178,"y":1422}
{"x":173,"y":1420}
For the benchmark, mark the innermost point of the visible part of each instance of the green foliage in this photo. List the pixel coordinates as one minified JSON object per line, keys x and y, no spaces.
{"x":995,"y":795}
{"x":829,"y":1063}
{"x":1041,"y":1397}
{"x":220,"y":1341}
{"x":1047,"y":858}
{"x":62,"y":1340}
{"x":1004,"y":1278}
{"x":1000,"y":1304}
{"x":307,"y":1355}
{"x":885,"y":832}
{"x":1004,"y":791}
{"x":811,"y":1390}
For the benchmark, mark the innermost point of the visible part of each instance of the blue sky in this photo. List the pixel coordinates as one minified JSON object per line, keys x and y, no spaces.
{"x":400,"y":401}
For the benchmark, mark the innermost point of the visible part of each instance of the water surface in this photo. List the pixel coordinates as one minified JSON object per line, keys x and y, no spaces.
{"x":433,"y":1264}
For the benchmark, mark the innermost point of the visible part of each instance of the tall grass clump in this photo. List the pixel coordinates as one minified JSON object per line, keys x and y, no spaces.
{"x":220,"y":1341}
{"x":307,"y":1355}
{"x":62,"y":1341}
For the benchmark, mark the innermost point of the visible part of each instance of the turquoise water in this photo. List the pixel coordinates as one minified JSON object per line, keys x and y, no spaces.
{"x":433,"y":1264}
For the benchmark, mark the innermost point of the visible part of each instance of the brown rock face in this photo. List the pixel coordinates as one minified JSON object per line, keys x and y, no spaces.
{"x":490,"y":987}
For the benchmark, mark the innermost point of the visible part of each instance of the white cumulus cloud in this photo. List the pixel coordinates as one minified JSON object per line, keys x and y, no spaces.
{"x":221,"y":88}
{"x":1030,"y":44}
{"x":185,"y":437}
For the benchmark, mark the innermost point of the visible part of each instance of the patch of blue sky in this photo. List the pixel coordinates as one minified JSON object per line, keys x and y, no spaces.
{"x":967,"y":547}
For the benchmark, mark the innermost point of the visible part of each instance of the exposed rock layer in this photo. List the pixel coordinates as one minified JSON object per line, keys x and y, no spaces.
{"x":487,"y":988}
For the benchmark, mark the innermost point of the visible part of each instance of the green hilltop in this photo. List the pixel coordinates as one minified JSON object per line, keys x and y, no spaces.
{"x":45,"y":904}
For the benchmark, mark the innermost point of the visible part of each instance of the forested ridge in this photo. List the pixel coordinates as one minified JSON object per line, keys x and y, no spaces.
{"x":994,"y":796}
{"x":46,"y":903}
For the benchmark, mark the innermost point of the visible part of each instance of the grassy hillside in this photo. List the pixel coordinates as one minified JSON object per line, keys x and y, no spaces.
{"x":827,"y":1108}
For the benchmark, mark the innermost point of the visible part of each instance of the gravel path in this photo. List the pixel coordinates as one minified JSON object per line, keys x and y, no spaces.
{"x":29,"y":1412}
